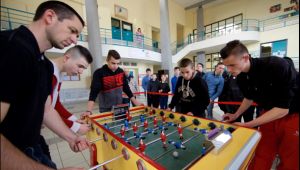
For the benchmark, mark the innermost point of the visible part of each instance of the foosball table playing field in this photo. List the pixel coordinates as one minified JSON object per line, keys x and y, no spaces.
{"x":146,"y":138}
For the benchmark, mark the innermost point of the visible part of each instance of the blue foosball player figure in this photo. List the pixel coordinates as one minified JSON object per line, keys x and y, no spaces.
{"x":106,"y":126}
{"x":126,"y":125}
{"x":203,"y":150}
{"x":152,"y":131}
{"x":125,"y":139}
{"x":139,"y":135}
{"x":142,"y":119}
{"x":171,"y":124}
{"x":177,"y":145}
{"x":162,"y":127}
{"x":201,"y":130}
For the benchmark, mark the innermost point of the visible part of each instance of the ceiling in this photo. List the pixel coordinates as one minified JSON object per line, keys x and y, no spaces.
{"x":187,"y":3}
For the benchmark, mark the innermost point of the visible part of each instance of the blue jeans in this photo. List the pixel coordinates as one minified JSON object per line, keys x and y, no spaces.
{"x":163,"y":101}
{"x":210,"y":111}
{"x":35,"y":152}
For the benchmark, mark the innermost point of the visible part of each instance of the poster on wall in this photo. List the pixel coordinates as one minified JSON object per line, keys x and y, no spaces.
{"x":275,"y":8}
{"x":121,"y":12}
{"x":141,"y":76}
{"x":138,"y":53}
{"x":254,"y":54}
{"x":288,"y":9}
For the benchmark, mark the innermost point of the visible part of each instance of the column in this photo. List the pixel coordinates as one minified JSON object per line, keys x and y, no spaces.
{"x":201,"y":59}
{"x":94,"y":38}
{"x":166,"y":52}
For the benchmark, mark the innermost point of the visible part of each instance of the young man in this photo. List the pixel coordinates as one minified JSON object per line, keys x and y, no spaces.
{"x":73,"y":62}
{"x":191,"y":89}
{"x":215,"y":84}
{"x":174,"y":81}
{"x":109,"y":82}
{"x":200,"y":68}
{"x":271,"y":83}
{"x":145,"y":84}
{"x":133,"y":85}
{"x":26,"y":99}
{"x":163,"y":87}
{"x":153,"y":87}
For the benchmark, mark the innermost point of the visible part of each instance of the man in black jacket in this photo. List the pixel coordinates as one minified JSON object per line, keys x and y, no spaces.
{"x":271,"y":83}
{"x":153,"y":87}
{"x":232,"y":93}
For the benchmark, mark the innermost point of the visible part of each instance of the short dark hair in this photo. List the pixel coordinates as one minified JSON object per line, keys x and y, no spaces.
{"x":62,"y":10}
{"x":154,"y":74}
{"x":235,"y":48}
{"x":220,"y":63}
{"x":148,"y":69}
{"x":114,"y":54}
{"x":185,"y":63}
{"x":201,"y":65}
{"x":176,"y":68}
{"x":163,"y":75}
{"x":80,"y":51}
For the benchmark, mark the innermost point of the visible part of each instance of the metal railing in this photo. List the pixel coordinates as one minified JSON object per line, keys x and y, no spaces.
{"x":13,"y":18}
{"x":236,"y":27}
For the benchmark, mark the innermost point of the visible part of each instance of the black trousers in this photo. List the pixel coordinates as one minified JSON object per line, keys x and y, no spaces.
{"x":44,"y":146}
{"x":154,"y":101}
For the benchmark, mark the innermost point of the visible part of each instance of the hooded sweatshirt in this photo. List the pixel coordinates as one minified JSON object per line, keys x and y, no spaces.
{"x":193,"y":94}
{"x":110,"y":86}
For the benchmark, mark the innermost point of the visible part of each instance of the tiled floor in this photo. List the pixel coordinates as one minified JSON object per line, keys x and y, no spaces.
{"x":60,"y":150}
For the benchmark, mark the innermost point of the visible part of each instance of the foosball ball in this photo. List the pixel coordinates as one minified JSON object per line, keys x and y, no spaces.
{"x":146,"y":138}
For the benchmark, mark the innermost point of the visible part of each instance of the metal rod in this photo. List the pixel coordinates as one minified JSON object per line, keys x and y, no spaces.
{"x":106,"y":162}
{"x":95,"y":140}
{"x":117,"y":116}
{"x":166,"y":136}
{"x":130,"y":122}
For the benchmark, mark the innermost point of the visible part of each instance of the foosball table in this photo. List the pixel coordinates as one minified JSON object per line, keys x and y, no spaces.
{"x":147,"y":138}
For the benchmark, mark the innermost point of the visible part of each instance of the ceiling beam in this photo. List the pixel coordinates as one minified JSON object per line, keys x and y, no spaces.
{"x":199,"y":4}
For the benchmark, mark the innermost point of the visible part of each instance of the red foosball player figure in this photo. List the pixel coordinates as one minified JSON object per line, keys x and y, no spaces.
{"x":127,"y":113}
{"x":146,"y":125}
{"x":151,"y":112}
{"x":135,"y":128}
{"x":164,"y":119}
{"x":142,"y":146}
{"x":155,"y":122}
{"x":180,"y":131}
{"x":122,"y":131}
{"x":129,"y":118}
{"x":163,"y":137}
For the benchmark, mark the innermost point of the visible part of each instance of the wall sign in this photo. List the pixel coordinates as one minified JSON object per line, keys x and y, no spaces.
{"x":275,"y":8}
{"x":121,"y":12}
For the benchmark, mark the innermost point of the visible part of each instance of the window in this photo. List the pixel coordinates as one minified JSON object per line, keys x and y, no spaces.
{"x":275,"y":48}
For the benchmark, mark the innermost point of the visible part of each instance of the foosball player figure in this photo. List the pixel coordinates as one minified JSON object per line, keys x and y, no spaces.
{"x":177,"y":145}
{"x":162,"y":127}
{"x":139,"y":135}
{"x":203,"y":131}
{"x":151,"y":112}
{"x":164,"y":119}
{"x":142,"y":119}
{"x":171,"y":124}
{"x":126,"y":125}
{"x":122,"y":131}
{"x":135,"y":128}
{"x":127,"y":114}
{"x":152,"y":131}
{"x":106,"y":126}
{"x":163,"y":137}
{"x":142,"y":146}
{"x":180,"y":129}
{"x":129,"y":118}
{"x":203,"y":150}
{"x":125,"y":139}
{"x":146,"y":125}
{"x":155,"y":121}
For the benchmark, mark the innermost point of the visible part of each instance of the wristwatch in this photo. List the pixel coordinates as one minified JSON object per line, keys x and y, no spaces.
{"x":90,"y":112}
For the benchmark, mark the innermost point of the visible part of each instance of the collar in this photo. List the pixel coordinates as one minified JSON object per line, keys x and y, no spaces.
{"x":252,"y":65}
{"x":27,"y":34}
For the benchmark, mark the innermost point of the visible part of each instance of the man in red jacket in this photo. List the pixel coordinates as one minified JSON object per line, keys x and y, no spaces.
{"x":73,"y":62}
